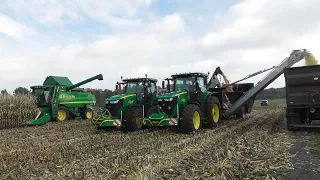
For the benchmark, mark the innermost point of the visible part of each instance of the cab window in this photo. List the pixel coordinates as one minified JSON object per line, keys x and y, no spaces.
{"x":200,"y":81}
{"x":153,"y":88}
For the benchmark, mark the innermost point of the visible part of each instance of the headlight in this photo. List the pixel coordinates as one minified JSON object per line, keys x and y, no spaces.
{"x":114,"y":102}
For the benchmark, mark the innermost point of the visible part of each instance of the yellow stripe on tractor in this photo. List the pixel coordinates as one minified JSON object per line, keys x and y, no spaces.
{"x":79,"y":102}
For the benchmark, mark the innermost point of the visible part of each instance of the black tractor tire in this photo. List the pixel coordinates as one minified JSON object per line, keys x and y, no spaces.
{"x":213,"y":102}
{"x":87,"y":113}
{"x":186,"y":124}
{"x":64,"y":114}
{"x":242,"y":113}
{"x":131,"y":115}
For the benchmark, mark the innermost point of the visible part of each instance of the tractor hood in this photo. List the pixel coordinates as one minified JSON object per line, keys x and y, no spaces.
{"x":118,"y":97}
{"x":172,"y":94}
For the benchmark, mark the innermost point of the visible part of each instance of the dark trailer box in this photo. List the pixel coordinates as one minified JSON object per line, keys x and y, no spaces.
{"x":302,"y":95}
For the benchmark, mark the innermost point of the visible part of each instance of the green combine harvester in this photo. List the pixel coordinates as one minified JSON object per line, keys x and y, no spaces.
{"x":127,"y":110}
{"x":59,"y":100}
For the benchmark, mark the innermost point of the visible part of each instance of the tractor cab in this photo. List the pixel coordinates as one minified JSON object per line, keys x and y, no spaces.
{"x":144,"y":88}
{"x":193,"y":83}
{"x":137,"y":94}
{"x":43,"y":95}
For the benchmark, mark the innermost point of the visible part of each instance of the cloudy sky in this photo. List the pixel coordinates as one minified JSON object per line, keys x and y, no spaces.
{"x":80,"y":39}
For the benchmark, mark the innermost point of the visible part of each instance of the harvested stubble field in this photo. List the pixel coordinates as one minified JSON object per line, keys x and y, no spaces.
{"x":75,"y":150}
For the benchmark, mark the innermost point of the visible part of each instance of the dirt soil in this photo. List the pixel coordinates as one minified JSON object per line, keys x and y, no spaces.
{"x":305,"y":157}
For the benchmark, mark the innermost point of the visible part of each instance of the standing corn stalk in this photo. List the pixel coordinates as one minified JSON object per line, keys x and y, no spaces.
{"x":15,"y":110}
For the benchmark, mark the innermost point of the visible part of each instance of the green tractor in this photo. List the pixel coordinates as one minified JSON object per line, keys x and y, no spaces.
{"x":127,"y":110}
{"x":59,"y":100}
{"x":194,"y":101}
{"x":188,"y":104}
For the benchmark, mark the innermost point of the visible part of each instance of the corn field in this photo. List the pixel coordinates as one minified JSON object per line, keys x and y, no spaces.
{"x":238,"y":149}
{"x":16,"y":110}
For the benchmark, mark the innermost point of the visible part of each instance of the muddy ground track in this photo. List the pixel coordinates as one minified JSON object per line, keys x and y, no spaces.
{"x":56,"y":151}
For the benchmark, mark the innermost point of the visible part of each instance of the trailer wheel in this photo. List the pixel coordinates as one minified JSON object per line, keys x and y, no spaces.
{"x":191,"y":119}
{"x":213,"y":112}
{"x":134,"y":119}
{"x":87,"y":113}
{"x":292,"y":121}
{"x":242,"y":113}
{"x":63,"y":114}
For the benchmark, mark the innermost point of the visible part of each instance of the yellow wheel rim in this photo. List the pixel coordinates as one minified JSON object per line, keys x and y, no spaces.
{"x":215,"y":113}
{"x":139,"y":122}
{"x":62,"y":115}
{"x":89,"y":115}
{"x":196,"y":120}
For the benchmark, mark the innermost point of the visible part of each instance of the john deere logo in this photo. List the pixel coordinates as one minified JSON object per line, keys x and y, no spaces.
{"x":183,"y":100}
{"x":64,"y":96}
{"x":130,"y":102}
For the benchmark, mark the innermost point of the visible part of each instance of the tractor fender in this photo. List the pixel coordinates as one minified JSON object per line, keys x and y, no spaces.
{"x":195,"y":103}
{"x":210,"y":95}
{"x":215,"y":94}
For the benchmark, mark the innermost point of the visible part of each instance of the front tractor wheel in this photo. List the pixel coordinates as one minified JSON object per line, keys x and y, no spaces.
{"x":134,"y":120}
{"x":63,"y":114}
{"x":213,"y":112}
{"x":191,"y":119}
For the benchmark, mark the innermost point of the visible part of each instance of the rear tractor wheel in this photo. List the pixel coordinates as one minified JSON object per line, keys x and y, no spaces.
{"x":213,"y":112}
{"x":191,"y":119}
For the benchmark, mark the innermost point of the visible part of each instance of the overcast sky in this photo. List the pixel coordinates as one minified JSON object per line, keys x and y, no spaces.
{"x":130,"y":38}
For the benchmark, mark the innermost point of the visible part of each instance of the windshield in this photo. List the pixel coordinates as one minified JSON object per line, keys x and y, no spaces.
{"x":42,"y":94}
{"x":185,"y":83}
{"x":134,"y":87}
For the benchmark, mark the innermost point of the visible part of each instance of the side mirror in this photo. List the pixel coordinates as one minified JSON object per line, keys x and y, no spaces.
{"x":162,"y":84}
{"x":117,"y":87}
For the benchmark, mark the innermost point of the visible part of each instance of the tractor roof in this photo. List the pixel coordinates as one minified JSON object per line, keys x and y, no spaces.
{"x":189,"y":74}
{"x":139,"y":79}
{"x":57,"y":80}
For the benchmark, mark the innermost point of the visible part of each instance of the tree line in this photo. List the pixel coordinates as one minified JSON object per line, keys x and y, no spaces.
{"x":101,"y":95}
{"x":272,"y":93}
